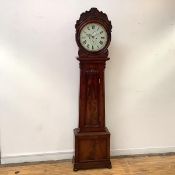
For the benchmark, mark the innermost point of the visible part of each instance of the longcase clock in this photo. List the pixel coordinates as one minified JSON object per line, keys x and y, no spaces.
{"x":92,"y":138}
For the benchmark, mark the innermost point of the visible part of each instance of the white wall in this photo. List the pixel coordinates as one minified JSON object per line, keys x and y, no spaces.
{"x":39,"y":77}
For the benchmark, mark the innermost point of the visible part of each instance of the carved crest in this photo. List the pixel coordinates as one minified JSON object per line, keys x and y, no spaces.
{"x":93,"y":15}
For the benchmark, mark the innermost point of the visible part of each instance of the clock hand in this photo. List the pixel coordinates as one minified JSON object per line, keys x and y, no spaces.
{"x":96,"y":34}
{"x":89,"y":35}
{"x":91,"y":41}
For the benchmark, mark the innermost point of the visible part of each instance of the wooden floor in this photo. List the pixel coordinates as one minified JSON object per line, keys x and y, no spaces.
{"x":142,"y":165}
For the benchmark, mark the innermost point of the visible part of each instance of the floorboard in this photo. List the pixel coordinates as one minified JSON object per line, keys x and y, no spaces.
{"x":139,"y":165}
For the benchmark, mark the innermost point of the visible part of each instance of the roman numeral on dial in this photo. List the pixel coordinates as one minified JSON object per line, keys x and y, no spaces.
{"x":101,"y":42}
{"x":84,"y":42}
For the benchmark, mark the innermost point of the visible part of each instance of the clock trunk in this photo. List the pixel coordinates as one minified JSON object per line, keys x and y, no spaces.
{"x":92,"y":97}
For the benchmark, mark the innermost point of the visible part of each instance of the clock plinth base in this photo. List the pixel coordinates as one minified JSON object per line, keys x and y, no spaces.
{"x":92,"y":165}
{"x":92,"y":150}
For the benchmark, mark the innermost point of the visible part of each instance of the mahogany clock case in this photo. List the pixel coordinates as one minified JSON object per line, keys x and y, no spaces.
{"x":92,"y":138}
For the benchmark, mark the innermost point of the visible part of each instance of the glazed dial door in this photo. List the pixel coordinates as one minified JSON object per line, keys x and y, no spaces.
{"x":93,"y":37}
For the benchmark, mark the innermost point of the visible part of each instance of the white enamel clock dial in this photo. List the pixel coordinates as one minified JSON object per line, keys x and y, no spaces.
{"x":93,"y":37}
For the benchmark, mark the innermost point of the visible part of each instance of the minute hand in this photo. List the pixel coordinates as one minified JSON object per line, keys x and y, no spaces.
{"x":96,"y":34}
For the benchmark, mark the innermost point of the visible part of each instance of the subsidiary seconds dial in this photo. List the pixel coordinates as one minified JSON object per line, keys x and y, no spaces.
{"x":93,"y":37}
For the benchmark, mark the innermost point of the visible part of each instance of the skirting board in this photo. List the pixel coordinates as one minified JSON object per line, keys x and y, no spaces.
{"x":68,"y":154}
{"x":37,"y":157}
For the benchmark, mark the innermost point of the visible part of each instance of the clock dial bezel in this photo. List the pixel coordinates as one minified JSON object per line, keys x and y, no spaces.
{"x":101,"y":23}
{"x":100,"y":28}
